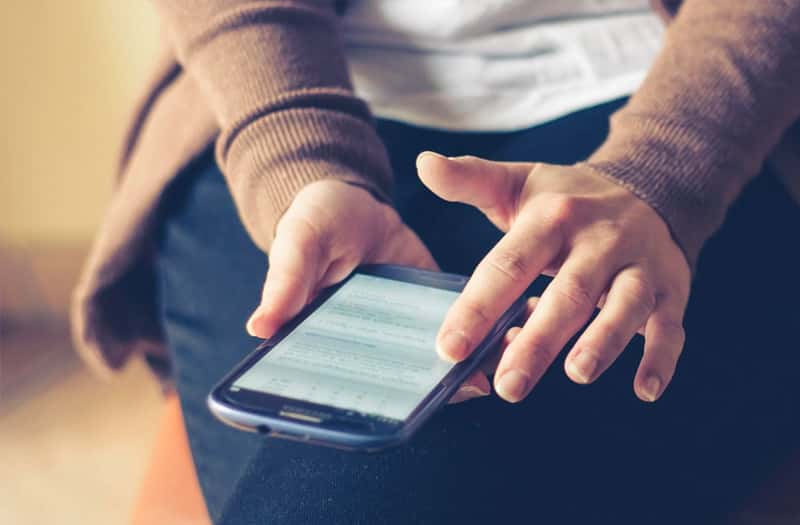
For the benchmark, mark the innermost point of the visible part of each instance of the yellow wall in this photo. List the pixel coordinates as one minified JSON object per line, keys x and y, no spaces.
{"x":70,"y":71}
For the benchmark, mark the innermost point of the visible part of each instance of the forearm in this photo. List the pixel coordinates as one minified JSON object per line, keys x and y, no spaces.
{"x":275,"y":76}
{"x":716,"y":101}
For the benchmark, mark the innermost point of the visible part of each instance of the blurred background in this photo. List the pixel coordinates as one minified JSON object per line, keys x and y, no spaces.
{"x":72,"y":447}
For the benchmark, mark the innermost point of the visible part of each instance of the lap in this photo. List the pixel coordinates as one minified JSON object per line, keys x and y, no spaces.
{"x":566,"y":452}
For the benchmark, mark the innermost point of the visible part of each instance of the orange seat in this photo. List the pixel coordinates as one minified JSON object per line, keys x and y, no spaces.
{"x":170,"y":493}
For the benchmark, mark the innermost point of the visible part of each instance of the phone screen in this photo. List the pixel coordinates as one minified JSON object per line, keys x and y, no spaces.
{"x":369,"y":348}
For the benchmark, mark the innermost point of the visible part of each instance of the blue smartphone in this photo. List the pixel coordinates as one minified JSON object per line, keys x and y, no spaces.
{"x":357,"y":368}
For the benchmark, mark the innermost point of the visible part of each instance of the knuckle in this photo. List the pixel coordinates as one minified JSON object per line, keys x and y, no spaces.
{"x":614,"y":339}
{"x":672,"y":332}
{"x":476,"y":313}
{"x":639,"y":293}
{"x":677,"y":332}
{"x":560,"y":211}
{"x":307,"y":234}
{"x":669,"y":316}
{"x":680,"y":289}
{"x":540,"y":355}
{"x":511,"y":264}
{"x":613,"y":237}
{"x":575,"y":290}
{"x":612,"y":227}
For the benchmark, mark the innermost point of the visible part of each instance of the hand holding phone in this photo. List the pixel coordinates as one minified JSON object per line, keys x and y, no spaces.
{"x":357,"y":369}
{"x":330,"y":228}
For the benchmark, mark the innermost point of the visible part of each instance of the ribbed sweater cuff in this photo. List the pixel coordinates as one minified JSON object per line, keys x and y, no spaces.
{"x":674,"y":168}
{"x":276,"y":155}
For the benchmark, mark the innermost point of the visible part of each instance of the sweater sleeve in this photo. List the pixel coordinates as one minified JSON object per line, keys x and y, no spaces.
{"x":274,"y":74}
{"x":718,"y":98}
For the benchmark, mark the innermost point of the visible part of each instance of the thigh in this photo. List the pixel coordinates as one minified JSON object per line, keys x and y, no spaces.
{"x":577,"y":454}
{"x":568,"y":453}
{"x":210,"y":275}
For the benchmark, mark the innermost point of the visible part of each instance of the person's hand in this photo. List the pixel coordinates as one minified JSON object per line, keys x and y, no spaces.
{"x":330,"y":228}
{"x":604,"y":245}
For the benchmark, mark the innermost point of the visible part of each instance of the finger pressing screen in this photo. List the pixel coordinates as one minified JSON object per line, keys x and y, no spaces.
{"x":500,"y":278}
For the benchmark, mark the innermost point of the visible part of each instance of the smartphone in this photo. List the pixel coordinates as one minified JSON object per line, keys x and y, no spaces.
{"x":357,"y":369}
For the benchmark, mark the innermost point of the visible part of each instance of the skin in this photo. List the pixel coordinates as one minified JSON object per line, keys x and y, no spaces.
{"x":330,"y":228}
{"x":603,"y":245}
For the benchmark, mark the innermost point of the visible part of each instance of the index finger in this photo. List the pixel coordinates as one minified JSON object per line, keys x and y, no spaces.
{"x":500,"y":278}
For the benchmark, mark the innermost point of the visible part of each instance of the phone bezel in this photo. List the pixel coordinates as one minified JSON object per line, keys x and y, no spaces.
{"x":300,"y":420}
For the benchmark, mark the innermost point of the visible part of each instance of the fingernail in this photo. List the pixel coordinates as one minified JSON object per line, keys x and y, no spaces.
{"x":426,"y":153}
{"x":512,"y":334}
{"x":250,"y":322}
{"x":469,"y":392}
{"x":651,"y":388}
{"x":452,"y":346}
{"x":582,"y":367}
{"x":513,"y":385}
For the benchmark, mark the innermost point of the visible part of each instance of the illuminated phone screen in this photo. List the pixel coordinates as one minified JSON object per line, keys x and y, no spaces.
{"x":369,"y":348}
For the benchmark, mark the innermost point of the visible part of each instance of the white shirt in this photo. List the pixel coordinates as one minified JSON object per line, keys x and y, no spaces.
{"x":496,"y":65}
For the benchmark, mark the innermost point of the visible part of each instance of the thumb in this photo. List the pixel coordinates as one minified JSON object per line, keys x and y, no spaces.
{"x":490,"y":186}
{"x":295,"y":267}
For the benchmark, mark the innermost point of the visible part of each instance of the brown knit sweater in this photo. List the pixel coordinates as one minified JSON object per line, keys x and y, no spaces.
{"x":269,"y":79}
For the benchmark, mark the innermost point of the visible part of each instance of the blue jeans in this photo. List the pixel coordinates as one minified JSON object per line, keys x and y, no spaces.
{"x":569,"y":453}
